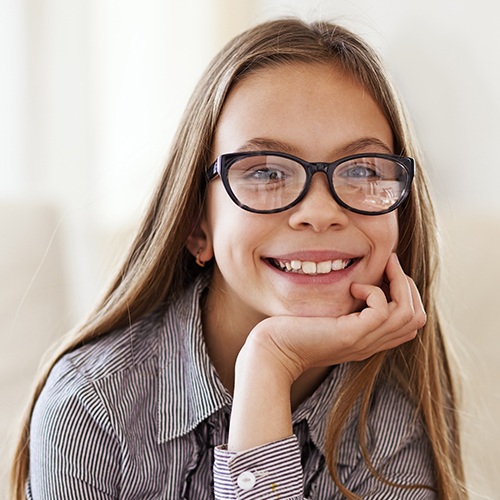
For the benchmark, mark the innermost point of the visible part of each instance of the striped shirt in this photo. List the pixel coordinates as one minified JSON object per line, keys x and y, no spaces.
{"x":141,"y":414}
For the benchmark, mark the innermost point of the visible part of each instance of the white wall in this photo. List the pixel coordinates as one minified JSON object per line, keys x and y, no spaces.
{"x":444,"y":57}
{"x":91,"y":94}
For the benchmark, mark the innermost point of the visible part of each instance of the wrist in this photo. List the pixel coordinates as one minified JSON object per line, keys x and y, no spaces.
{"x":259,"y":361}
{"x":263,"y":350}
{"x":261,"y":410}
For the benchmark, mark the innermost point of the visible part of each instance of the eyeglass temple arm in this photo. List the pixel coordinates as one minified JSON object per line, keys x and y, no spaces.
{"x":212,"y":171}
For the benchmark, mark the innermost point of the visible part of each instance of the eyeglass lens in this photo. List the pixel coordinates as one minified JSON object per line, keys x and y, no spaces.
{"x":268,"y":182}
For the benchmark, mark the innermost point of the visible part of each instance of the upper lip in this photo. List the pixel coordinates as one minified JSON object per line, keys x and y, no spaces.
{"x":314,"y":256}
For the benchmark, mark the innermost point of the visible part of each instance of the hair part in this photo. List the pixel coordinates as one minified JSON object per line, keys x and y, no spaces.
{"x":158,"y":265}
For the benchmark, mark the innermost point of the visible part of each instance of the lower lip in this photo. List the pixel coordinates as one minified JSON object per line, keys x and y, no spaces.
{"x":314,"y":279}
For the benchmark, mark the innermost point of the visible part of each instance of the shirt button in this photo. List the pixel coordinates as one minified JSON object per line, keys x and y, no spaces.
{"x":246,"y":480}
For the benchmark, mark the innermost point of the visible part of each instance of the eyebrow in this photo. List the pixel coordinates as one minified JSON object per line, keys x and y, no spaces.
{"x":260,"y":143}
{"x":365,"y":144}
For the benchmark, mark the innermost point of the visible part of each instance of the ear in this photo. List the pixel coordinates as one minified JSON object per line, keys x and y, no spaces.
{"x":199,"y":242}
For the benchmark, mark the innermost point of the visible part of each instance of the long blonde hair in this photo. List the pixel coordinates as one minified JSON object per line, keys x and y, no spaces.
{"x":158,"y":264}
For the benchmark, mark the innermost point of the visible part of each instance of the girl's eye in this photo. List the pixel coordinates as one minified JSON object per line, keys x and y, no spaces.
{"x":266,"y":174}
{"x":359,"y":171}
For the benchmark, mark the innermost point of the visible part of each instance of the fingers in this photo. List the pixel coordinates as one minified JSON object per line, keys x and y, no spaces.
{"x":386,"y":322}
{"x":400,"y":315}
{"x":405,"y":305}
{"x":399,"y":289}
{"x":419,"y":316}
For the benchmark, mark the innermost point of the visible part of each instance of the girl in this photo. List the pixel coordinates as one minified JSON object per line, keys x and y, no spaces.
{"x":266,"y":335}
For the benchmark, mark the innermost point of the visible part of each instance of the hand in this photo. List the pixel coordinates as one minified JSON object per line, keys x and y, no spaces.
{"x":279,"y":349}
{"x":300,"y":343}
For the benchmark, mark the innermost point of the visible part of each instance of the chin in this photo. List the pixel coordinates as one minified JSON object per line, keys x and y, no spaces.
{"x":319,"y":309}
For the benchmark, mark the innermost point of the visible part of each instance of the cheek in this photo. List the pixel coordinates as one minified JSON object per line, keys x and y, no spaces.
{"x":219,"y":209}
{"x":383,"y":235}
{"x":228,"y":227}
{"x":385,"y":232}
{"x":386,"y":241}
{"x":394,"y":233}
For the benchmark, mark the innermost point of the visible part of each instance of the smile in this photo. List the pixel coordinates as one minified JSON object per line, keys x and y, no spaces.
{"x":309,"y":267}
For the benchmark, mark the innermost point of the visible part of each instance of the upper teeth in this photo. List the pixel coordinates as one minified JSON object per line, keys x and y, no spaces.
{"x":309,"y":267}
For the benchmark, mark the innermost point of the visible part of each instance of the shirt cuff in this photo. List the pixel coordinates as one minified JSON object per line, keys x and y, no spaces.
{"x":270,"y":471}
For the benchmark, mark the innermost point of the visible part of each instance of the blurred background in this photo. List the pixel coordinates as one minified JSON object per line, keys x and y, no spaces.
{"x":91,"y":92}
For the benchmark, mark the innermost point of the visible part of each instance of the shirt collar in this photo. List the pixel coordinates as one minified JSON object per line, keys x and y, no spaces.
{"x":189,"y":388}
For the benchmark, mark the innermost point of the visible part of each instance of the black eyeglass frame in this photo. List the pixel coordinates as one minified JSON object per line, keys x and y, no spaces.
{"x":222,"y":164}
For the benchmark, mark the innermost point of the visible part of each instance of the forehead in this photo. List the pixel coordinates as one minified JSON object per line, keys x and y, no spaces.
{"x":310,"y":106}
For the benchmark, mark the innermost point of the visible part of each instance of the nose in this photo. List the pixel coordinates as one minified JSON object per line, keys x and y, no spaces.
{"x":318,"y":210}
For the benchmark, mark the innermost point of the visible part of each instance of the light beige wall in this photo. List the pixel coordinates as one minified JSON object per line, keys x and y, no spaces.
{"x":33,"y":307}
{"x":470,"y":302}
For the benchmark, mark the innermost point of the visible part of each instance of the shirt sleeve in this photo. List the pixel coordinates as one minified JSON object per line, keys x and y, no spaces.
{"x":73,"y":451}
{"x":269,"y":471}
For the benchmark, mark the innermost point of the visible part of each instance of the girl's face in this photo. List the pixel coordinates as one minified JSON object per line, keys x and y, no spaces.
{"x":320,"y":114}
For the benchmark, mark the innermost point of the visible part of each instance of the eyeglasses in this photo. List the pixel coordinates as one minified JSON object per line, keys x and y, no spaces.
{"x":269,"y":182}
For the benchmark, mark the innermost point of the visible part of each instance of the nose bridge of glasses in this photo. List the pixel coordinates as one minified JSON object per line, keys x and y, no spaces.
{"x":318,"y":167}
{"x":319,"y":207}
{"x":321,"y":167}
